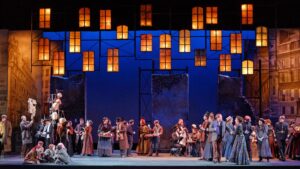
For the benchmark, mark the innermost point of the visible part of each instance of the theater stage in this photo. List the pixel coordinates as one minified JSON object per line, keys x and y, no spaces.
{"x":164,"y":161}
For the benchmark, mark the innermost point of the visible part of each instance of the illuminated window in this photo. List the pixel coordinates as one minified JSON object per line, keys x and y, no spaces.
{"x":211,"y":15}
{"x":105,"y":19}
{"x":88,"y":64}
{"x":247,"y":67}
{"x":165,"y":59}
{"x":197,"y":18}
{"x":247,"y":14}
{"x":225,"y":63}
{"x":215,"y":40}
{"x":165,"y":41}
{"x":44,"y":49}
{"x":113,"y":60}
{"x":84,"y":17}
{"x":146,"y":42}
{"x":200,"y":57}
{"x":74,"y":42}
{"x":122,"y":32}
{"x":236,"y":43}
{"x":184,"y":41}
{"x":59,"y":63}
{"x":45,"y":17}
{"x":261,"y":36}
{"x":146,"y":15}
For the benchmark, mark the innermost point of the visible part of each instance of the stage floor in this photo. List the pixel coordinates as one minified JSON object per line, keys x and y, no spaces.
{"x":164,"y":160}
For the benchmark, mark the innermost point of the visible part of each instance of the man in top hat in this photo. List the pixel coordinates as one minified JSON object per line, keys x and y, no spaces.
{"x":157,"y":131}
{"x":5,"y":127}
{"x":281,"y":132}
{"x":130,"y":133}
{"x":247,"y":128}
{"x":48,"y":133}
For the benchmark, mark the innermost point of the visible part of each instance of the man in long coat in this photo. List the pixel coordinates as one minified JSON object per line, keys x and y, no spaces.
{"x":7,"y":132}
{"x":26,"y":136}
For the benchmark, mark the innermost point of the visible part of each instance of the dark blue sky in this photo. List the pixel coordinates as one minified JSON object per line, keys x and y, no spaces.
{"x":116,"y":94}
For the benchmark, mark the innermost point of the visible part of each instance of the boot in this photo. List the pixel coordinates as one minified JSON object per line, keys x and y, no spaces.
{"x":260,"y":159}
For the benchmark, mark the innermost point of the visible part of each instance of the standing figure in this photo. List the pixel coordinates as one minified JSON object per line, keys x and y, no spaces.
{"x":122,"y":136}
{"x":54,"y":122}
{"x":79,"y":129}
{"x":70,"y":134}
{"x":130,"y":133}
{"x":39,"y":128}
{"x":104,"y":138}
{"x":263,"y":146}
{"x":218,"y":144}
{"x":47,"y":133}
{"x":211,"y":138}
{"x":182,"y":135}
{"x":281,"y":132}
{"x":156,"y":131}
{"x":6,"y":136}
{"x":34,"y":156}
{"x":194,"y":141}
{"x":239,"y":153}
{"x":229,"y":137}
{"x":203,"y":134}
{"x":62,"y":131}
{"x":26,"y":136}
{"x":88,"y":147}
{"x":247,"y":133}
{"x":293,"y":146}
{"x":271,"y":137}
{"x":143,"y":146}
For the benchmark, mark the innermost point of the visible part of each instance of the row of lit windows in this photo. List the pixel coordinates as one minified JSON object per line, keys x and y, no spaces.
{"x":146,"y":16}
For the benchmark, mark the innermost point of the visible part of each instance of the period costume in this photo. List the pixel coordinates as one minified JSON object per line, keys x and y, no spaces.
{"x":157,"y":131}
{"x":203,"y":137}
{"x":26,"y":136}
{"x":104,"y":140}
{"x":49,"y":156}
{"x":218,"y":146}
{"x":247,"y":128}
{"x":194,"y":142}
{"x":210,"y":150}
{"x":88,"y":147}
{"x":79,"y":129}
{"x":293,"y":147}
{"x":34,"y":156}
{"x":271,"y":138}
{"x":263,"y":146}
{"x":61,"y":156}
{"x":62,"y":133}
{"x":70,"y":140}
{"x":281,"y":132}
{"x":47,"y":133}
{"x":228,"y":140}
{"x":143,"y":146}
{"x":130,"y":133}
{"x":239,"y":153}
{"x":121,"y":137}
{"x":6,"y":127}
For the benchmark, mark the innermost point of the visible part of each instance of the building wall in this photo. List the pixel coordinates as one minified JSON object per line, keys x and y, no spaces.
{"x":3,"y":71}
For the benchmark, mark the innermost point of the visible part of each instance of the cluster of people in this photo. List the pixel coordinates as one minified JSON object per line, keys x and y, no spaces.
{"x":213,"y":139}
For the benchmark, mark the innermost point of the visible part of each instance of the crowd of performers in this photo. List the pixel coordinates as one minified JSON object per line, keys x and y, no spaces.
{"x":56,"y":140}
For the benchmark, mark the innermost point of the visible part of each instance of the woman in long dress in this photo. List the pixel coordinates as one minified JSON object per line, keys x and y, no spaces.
{"x":88,"y":148}
{"x":263,"y":146}
{"x":229,"y":137}
{"x":104,"y":140}
{"x":208,"y":148}
{"x":239,"y":153}
{"x":271,"y":137}
{"x":70,"y":138}
{"x":143,"y":146}
{"x":203,"y":134}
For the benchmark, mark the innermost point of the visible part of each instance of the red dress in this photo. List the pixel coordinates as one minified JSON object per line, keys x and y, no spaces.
{"x":88,"y":147}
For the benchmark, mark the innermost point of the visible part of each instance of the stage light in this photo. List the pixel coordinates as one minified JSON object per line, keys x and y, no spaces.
{"x":247,"y":67}
{"x":146,"y":15}
{"x":247,"y":14}
{"x":59,"y":63}
{"x":84,"y":17}
{"x":165,"y":41}
{"x":165,"y":62}
{"x":215,"y":40}
{"x":236,"y":43}
{"x":122,"y":32}
{"x":105,"y":19}
{"x":225,"y":62}
{"x":146,"y":43}
{"x":200,"y":57}
{"x":184,"y":41}
{"x":211,"y":15}
{"x":88,"y":64}
{"x":44,"y":49}
{"x":75,"y":39}
{"x":112,"y":60}
{"x":197,"y":18}
{"x":45,"y":18}
{"x":261,"y":36}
